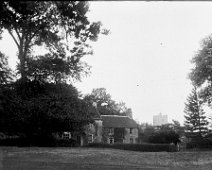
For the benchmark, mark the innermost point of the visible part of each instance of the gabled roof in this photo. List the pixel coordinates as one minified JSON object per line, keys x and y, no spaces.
{"x":116,"y":121}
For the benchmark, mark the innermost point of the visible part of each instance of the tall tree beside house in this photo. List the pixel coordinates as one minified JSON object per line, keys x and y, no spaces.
{"x":106,"y":105}
{"x":41,"y":101}
{"x":195,"y":119}
{"x":123,"y":110}
{"x":62,"y":27}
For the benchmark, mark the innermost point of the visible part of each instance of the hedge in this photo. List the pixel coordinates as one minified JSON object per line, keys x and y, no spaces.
{"x":41,"y":143}
{"x":137,"y":147}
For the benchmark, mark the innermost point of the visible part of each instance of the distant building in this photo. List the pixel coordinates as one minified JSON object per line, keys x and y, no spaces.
{"x":160,"y":119}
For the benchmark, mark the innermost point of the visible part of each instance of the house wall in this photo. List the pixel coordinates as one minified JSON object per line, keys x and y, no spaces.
{"x":127,"y":139}
{"x":133,"y":136}
{"x":94,"y":132}
{"x":106,"y":135}
{"x":98,"y":135}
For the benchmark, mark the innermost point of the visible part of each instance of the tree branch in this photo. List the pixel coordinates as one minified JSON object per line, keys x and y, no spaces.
{"x":26,"y":44}
{"x":17,"y":33}
{"x":14,"y":39}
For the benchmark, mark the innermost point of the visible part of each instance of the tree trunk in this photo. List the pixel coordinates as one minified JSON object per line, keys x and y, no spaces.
{"x":22,"y":68}
{"x":22,"y":58}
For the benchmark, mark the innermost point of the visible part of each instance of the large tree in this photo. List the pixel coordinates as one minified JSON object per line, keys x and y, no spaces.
{"x":61,"y":26}
{"x":202,"y":71}
{"x":195,"y":119}
{"x":123,"y":109}
{"x":41,"y":103}
{"x":106,"y":105}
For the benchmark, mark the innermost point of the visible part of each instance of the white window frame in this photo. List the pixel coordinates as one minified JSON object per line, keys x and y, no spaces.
{"x":66,"y":135}
{"x":111,"y":140}
{"x":90,"y":138}
{"x":111,"y":131}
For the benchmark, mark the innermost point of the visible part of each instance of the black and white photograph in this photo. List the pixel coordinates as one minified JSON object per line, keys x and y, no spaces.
{"x":106,"y":85}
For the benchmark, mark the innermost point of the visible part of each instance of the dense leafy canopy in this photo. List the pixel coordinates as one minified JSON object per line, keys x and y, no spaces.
{"x":106,"y":105}
{"x":41,"y":102}
{"x":35,"y":108}
{"x":167,"y":133}
{"x":202,"y":71}
{"x":61,"y":26}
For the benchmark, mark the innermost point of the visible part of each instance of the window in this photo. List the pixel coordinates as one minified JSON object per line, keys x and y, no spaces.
{"x":131,"y":140}
{"x":111,"y":140}
{"x":131,"y":129}
{"x":66,"y":135}
{"x":90,"y":138}
{"x":90,"y":126}
{"x":111,"y":131}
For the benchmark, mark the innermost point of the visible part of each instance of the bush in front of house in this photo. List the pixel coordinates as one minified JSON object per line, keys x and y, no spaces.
{"x":66,"y":143}
{"x":200,"y":144}
{"x":164,"y":137}
{"x":23,"y":141}
{"x":41,"y":141}
{"x":137,"y":147}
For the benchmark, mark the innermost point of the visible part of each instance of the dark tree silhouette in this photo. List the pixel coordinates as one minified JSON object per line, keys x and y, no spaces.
{"x":195,"y":119}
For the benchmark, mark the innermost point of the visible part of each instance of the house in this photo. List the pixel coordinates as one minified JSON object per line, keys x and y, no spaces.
{"x":111,"y":129}
{"x":119,"y":129}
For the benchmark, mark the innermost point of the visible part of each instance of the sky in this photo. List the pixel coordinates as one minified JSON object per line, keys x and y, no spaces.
{"x":145,"y":60}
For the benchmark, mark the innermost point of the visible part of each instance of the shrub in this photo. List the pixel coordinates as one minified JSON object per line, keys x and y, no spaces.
{"x":41,"y":142}
{"x":65,"y":143}
{"x":164,"y":137}
{"x":201,"y":144}
{"x":14,"y":141}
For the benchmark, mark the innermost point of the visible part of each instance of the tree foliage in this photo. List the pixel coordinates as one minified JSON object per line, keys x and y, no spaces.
{"x":36,"y":109}
{"x":62,"y":26}
{"x":180,"y":130}
{"x":195,"y":119}
{"x":202,"y":71}
{"x":106,"y":105}
{"x":42,"y":102}
{"x":123,"y":109}
{"x":162,"y":134}
{"x":145,"y":131}
{"x":6,"y":74}
{"x":164,"y":137}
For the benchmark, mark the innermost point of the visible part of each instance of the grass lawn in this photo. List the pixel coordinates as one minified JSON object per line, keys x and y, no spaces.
{"x":36,"y":158}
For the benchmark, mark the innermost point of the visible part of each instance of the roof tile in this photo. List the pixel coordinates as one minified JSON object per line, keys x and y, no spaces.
{"x":117,"y":121}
